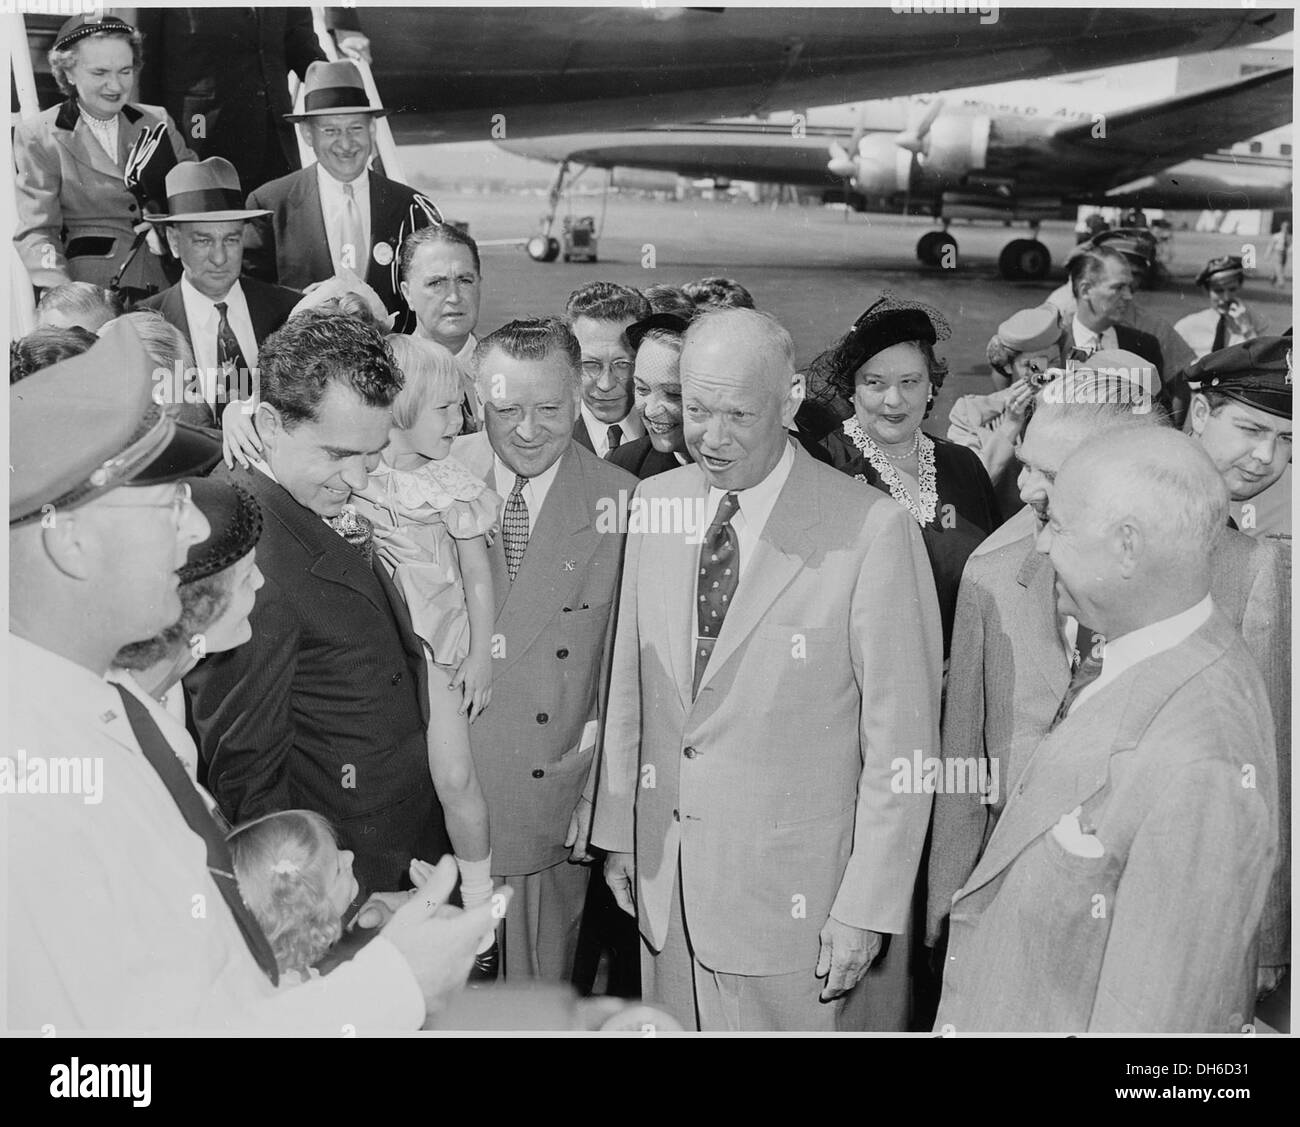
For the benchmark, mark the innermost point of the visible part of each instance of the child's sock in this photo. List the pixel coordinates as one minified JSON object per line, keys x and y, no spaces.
{"x":476,"y":889}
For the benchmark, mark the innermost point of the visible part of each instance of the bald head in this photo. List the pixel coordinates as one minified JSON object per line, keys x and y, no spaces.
{"x":739,"y":395}
{"x":1135,"y":516}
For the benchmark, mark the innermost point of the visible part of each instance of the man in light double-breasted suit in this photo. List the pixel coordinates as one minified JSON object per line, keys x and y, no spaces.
{"x":555,"y":572}
{"x":752,"y":769}
{"x":1123,"y":886}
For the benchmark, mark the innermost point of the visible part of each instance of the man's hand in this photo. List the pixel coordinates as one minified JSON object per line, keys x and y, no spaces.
{"x":439,"y":941}
{"x":354,"y":44}
{"x":1268,"y":979}
{"x":579,"y":835}
{"x":846,"y":954}
{"x":380,"y":907}
{"x":620,"y":875}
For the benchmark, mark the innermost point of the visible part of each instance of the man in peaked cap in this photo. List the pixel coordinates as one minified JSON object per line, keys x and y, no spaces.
{"x":1227,"y":320}
{"x":337,"y":214}
{"x":121,"y":910}
{"x":225,"y":317}
{"x":1240,"y":411}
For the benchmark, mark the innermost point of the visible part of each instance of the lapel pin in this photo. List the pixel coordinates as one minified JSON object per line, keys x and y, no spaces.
{"x":569,"y":565}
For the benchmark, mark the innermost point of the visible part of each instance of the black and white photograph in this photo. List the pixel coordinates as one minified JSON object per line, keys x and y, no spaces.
{"x":643,"y":521}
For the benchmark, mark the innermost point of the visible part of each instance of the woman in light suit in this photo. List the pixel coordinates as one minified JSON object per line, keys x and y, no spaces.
{"x":76,"y":216}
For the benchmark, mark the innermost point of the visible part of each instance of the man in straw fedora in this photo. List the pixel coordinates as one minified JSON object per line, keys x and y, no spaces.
{"x":338,"y":213}
{"x":225,"y":317}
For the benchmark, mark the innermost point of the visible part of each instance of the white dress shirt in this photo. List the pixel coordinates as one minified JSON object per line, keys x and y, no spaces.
{"x":756,"y":504}
{"x":1119,"y":656}
{"x":204,"y":320}
{"x":113,"y":920}
{"x":333,"y":206}
{"x":1199,"y":329}
{"x":1085,"y":338}
{"x":105,"y":133}
{"x":534,"y":492}
{"x":598,"y":431}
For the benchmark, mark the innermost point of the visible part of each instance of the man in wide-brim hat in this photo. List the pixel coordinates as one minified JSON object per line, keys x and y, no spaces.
{"x":225,"y":317}
{"x":337,"y":214}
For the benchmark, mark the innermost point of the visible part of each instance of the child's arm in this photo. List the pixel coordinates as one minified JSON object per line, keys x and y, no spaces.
{"x":475,"y":672}
{"x":239,"y":439}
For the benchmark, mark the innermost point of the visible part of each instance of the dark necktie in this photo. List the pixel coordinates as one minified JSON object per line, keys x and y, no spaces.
{"x":171,"y":771}
{"x":514,"y":527}
{"x":1078,"y":355}
{"x":1085,"y":667}
{"x":229,"y":359}
{"x":1220,"y":334}
{"x":615,"y":437}
{"x":716,"y":586}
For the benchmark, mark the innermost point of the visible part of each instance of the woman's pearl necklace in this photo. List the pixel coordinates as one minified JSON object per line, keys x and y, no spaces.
{"x":916,"y":443}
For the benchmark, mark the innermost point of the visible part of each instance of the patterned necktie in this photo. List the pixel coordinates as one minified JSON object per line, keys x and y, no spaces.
{"x":716,"y":586}
{"x":514,"y":527}
{"x":1085,"y":667}
{"x":230,"y":359}
{"x":354,"y":238}
{"x":172,"y":772}
{"x":615,"y":437}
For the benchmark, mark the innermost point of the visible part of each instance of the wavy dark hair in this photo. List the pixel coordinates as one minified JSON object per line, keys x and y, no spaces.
{"x":318,"y":347}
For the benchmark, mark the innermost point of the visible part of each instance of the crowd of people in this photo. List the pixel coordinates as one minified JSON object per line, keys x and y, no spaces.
{"x":358,"y":652}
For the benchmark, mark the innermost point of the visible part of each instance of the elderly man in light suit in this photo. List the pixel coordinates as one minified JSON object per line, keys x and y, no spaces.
{"x":1012,"y":646}
{"x":555,"y":572}
{"x":1123,"y":887}
{"x":749,"y":791}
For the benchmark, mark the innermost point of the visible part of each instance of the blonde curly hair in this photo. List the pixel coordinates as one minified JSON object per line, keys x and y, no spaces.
{"x":280,"y":863}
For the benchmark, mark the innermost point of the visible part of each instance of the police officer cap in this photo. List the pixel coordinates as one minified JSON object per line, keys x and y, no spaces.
{"x":1255,"y":372}
{"x":1230,"y":265}
{"x":90,"y":424}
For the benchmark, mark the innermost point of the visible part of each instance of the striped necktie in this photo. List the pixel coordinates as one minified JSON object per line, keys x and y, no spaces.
{"x":1085,"y":668}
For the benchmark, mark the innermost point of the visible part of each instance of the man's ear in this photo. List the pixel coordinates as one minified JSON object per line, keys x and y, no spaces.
{"x":173,"y":239}
{"x":70,"y":543}
{"x":1198,"y":413}
{"x":304,"y":131}
{"x":269,"y":424}
{"x":404,"y":288}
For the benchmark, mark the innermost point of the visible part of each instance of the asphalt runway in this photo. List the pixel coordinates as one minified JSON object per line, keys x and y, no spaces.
{"x":812,"y":268}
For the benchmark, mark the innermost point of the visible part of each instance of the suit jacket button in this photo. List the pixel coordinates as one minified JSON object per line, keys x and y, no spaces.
{"x":130,"y":207}
{"x":538,"y":773}
{"x":561,"y":653}
{"x":690,"y":753}
{"x":396,"y":678}
{"x":542,"y":718}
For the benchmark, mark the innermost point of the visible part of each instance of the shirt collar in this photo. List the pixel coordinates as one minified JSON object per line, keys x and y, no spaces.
{"x":756,"y":502}
{"x":1156,"y":637}
{"x":333,"y":187}
{"x":84,"y":698}
{"x":234,"y":299}
{"x":630,"y":424}
{"x":540,"y":484}
{"x":1084,"y":337}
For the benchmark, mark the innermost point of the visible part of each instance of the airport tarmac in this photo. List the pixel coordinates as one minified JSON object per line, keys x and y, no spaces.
{"x":814,"y":268}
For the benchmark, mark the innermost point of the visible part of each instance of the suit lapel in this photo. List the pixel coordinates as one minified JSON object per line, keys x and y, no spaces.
{"x":305,"y":227}
{"x":562,"y":536}
{"x":781,"y":553}
{"x":580,"y":435}
{"x":1044,"y":648}
{"x":83,"y":147}
{"x":681,"y":574}
{"x":1070,"y":765}
{"x":260,"y":311}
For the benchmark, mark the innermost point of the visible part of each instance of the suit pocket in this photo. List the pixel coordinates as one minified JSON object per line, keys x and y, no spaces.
{"x":91,"y":246}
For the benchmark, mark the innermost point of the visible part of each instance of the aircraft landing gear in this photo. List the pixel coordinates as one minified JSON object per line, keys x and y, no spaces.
{"x":545,"y":247}
{"x":937,"y":248}
{"x":1024,"y":260}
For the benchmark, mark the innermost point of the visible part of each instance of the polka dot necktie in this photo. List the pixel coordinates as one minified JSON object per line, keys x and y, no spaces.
{"x":230,"y":359}
{"x":716,"y":585}
{"x":1085,"y":668}
{"x":514,"y":527}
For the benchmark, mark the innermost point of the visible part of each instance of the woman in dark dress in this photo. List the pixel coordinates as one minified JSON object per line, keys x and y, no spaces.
{"x":886,"y":370}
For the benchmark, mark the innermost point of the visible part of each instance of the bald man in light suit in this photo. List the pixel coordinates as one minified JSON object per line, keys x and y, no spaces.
{"x":745,"y":793}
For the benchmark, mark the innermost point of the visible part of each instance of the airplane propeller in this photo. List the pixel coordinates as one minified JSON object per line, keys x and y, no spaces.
{"x":866,"y":162}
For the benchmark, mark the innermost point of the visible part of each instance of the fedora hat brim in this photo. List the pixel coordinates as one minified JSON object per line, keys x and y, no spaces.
{"x":205,"y":216}
{"x":337,"y":111}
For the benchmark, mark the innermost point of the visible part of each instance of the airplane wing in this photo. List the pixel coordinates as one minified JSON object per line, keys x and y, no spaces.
{"x":1155,"y":136}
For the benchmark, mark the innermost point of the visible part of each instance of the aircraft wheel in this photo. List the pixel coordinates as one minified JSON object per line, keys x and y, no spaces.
{"x":537,"y":247}
{"x":937,"y":248}
{"x":1024,"y":259}
{"x":552,"y":250}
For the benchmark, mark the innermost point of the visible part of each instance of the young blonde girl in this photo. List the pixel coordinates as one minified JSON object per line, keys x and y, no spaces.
{"x":431,"y":517}
{"x":297,"y":883}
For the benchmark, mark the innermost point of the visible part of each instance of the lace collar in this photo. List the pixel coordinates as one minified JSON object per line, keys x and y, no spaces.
{"x":890,"y":476}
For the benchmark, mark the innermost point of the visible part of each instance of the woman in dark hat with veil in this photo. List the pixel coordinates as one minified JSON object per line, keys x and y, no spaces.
{"x":886,"y":371}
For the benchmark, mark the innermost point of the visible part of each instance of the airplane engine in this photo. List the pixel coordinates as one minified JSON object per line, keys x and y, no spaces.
{"x":957,"y":144}
{"x":881,"y":167}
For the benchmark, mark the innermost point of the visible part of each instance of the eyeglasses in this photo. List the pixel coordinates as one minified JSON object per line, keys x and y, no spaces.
{"x":597,"y":368}
{"x":182,"y":497}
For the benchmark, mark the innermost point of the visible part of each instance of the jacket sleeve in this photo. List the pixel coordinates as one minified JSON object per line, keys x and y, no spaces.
{"x":960,"y":820}
{"x":241,"y":702}
{"x":39,"y":235}
{"x":896,"y":646}
{"x":259,"y":242}
{"x":301,"y":47}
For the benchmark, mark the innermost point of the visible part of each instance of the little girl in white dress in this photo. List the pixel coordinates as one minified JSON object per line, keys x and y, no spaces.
{"x":431,"y":517}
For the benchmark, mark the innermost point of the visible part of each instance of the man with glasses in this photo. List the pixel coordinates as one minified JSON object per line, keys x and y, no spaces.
{"x":599,"y":314}
{"x":121,"y":909}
